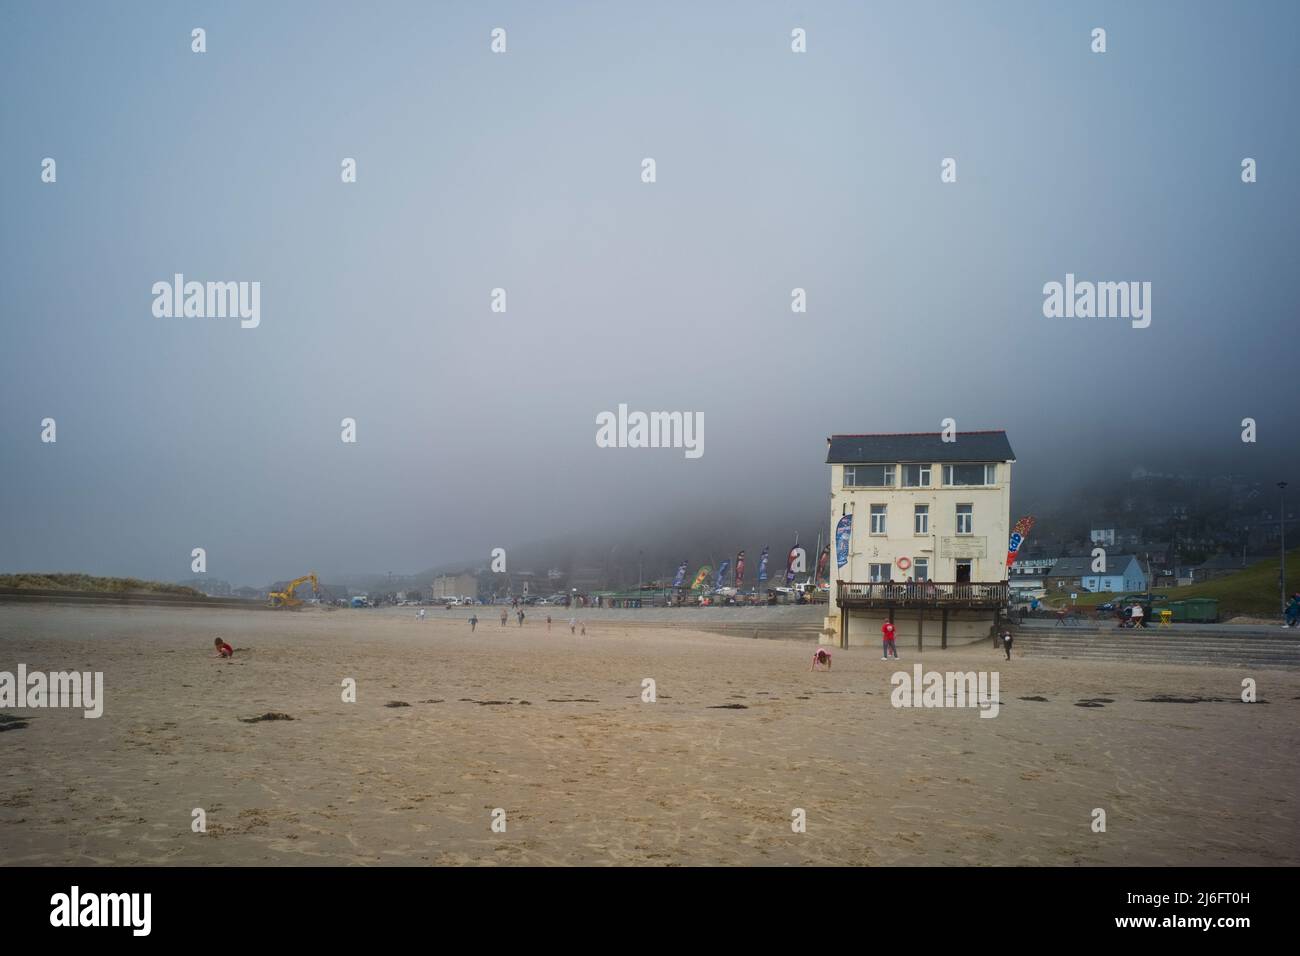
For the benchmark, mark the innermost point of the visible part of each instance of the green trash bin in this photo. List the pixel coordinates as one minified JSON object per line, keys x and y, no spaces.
{"x":1202,"y":610}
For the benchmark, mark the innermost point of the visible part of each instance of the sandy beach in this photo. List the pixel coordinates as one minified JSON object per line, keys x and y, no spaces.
{"x":551,"y":728}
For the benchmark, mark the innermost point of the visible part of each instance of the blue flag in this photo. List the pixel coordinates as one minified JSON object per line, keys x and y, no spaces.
{"x":762,"y":566}
{"x":843,"y":531}
{"x":722,"y":572}
{"x":681,"y":575}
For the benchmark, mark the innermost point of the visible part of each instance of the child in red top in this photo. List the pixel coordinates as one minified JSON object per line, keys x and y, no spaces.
{"x":223,"y":649}
{"x":887,"y":632}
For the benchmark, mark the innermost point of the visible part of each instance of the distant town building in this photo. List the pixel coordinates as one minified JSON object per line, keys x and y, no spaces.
{"x":1123,"y":572}
{"x":445,"y":586}
{"x":930,"y":525}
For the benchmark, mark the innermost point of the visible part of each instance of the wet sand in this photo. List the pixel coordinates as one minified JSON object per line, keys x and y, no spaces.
{"x":551,"y":728}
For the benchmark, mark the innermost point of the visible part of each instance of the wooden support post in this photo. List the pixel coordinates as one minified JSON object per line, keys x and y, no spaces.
{"x":844,"y":626}
{"x":944,"y":639}
{"x":920,"y":628}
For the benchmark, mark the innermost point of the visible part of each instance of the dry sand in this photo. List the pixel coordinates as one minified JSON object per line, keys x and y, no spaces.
{"x":551,"y":728}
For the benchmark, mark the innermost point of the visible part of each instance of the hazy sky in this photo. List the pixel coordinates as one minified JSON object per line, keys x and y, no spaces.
{"x":775,"y":170}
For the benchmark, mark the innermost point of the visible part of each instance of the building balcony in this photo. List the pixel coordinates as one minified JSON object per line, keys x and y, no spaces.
{"x":922,"y":595}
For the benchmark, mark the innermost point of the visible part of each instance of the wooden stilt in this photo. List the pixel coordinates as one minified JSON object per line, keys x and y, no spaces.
{"x":944,"y":635}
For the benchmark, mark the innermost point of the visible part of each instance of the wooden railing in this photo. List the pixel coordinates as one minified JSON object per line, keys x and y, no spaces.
{"x":921,"y":594}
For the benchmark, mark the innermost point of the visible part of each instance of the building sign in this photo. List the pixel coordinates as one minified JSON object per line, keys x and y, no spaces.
{"x":962,"y":546}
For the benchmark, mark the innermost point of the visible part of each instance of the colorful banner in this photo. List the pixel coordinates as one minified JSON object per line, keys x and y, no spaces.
{"x":790,"y":560}
{"x":740,"y":569}
{"x":823,"y":567}
{"x":762,"y":566}
{"x":843,"y":531}
{"x":701,"y":577}
{"x":723,"y":568}
{"x":1018,"y":535}
{"x":681,"y":575}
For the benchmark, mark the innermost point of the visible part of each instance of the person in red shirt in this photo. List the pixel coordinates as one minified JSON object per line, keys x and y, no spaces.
{"x":887,"y":632}
{"x":223,"y":649}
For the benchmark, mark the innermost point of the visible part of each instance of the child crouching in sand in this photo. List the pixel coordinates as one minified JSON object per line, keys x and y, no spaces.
{"x":821,"y":658}
{"x":223,"y":649}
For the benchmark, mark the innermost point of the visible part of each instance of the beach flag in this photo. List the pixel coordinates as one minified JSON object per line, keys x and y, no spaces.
{"x":762,"y":566}
{"x":796,"y":562}
{"x":1018,"y":535}
{"x":701,"y":577}
{"x":681,"y":575}
{"x":843,"y":531}
{"x":722,"y":573}
{"x":824,"y":566}
{"x":740,"y":569}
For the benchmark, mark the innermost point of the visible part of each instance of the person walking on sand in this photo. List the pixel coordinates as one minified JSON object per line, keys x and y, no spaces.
{"x":1293,"y":611}
{"x":573,"y":625}
{"x":1006,"y":641}
{"x":548,"y":624}
{"x":473,"y":622}
{"x":520,"y":615}
{"x":503,"y":617}
{"x":887,"y":633}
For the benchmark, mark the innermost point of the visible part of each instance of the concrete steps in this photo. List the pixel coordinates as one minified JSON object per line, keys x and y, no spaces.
{"x":1155,"y":646}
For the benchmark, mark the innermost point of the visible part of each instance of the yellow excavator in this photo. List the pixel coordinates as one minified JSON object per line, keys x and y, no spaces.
{"x":285,"y":598}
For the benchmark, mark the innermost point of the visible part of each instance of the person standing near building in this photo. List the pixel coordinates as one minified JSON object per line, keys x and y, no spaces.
{"x":887,"y":633}
{"x":1006,"y":641}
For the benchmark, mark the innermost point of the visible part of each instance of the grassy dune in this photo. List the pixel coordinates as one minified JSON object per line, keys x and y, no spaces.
{"x":88,"y":582}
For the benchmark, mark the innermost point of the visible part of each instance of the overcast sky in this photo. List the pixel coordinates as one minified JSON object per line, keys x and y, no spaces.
{"x":522,"y":170}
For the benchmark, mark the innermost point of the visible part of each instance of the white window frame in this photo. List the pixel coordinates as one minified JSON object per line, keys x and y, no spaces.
{"x":883,"y":515}
{"x":968,"y":515}
{"x":920,"y":519}
{"x":926,"y":475}
{"x":874,"y":573}
{"x":917,"y":565}
{"x":990,"y":475}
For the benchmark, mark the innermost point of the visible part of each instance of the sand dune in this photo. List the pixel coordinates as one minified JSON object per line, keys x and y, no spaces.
{"x":552,"y":729}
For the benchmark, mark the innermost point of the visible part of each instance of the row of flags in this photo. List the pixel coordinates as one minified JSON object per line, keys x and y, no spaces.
{"x":797,"y":560}
{"x":796,"y":563}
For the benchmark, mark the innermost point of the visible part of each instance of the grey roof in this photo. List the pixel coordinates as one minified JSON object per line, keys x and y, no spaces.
{"x":920,"y":447}
{"x":1080,"y":566}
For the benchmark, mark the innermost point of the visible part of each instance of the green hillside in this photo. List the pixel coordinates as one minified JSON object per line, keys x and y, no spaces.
{"x":1253,"y":590}
{"x":87,"y":582}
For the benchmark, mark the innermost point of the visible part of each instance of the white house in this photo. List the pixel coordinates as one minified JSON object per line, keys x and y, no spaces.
{"x":930,"y":521}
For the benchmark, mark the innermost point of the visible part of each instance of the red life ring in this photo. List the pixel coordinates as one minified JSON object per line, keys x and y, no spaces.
{"x":904,"y":563}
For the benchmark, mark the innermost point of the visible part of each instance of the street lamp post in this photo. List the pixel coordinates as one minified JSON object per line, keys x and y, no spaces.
{"x":1281,"y":486}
